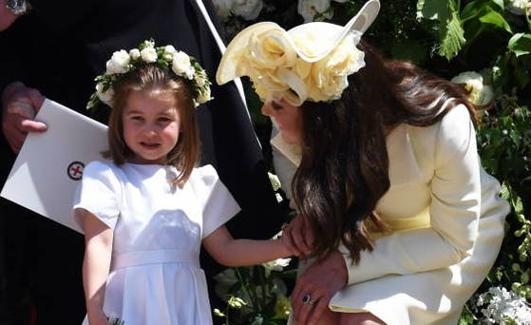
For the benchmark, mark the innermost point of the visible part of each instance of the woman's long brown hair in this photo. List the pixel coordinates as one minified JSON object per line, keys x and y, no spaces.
{"x":344,"y":169}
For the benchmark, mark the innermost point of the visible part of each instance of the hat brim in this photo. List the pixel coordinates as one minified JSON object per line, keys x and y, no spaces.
{"x":334,"y":34}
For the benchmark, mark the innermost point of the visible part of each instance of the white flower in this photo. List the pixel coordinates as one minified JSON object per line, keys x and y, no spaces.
{"x":308,"y":9}
{"x":134,"y":54}
{"x":149,"y":55}
{"x":248,"y":9}
{"x":118,"y":63}
{"x":277,"y":265}
{"x":223,"y":8}
{"x":478,"y":93}
{"x":182,"y":65}
{"x":519,"y":7}
{"x":169,"y":52}
{"x":204,"y":95}
{"x":170,"y":49}
{"x":503,"y":306}
{"x":104,"y":96}
{"x":236,"y":302}
{"x":275,"y":182}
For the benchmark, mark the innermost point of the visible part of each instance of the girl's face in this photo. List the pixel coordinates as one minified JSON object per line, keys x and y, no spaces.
{"x":151,"y":124}
{"x":287,"y":118}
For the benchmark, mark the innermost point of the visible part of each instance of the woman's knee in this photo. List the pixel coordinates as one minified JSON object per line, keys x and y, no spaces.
{"x":359,"y":319}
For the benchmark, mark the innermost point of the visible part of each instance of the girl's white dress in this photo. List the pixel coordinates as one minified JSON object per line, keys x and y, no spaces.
{"x":155,"y":276}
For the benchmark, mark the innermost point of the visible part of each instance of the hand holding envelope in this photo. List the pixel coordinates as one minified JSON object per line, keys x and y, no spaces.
{"x":20,"y":105}
{"x":46,"y":172}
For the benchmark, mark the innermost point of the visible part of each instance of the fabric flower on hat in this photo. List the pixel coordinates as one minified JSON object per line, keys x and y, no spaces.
{"x":329,"y":76}
{"x":264,"y":55}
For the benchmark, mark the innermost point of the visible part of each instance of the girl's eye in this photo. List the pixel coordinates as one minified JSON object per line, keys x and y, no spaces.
{"x":276,"y":106}
{"x":137,"y":118}
{"x":164,"y":119}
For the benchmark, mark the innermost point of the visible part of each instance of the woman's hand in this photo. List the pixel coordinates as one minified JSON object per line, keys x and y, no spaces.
{"x":300,"y":236}
{"x":316,"y":286}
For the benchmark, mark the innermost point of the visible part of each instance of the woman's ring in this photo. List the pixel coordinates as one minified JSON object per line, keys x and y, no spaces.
{"x":307,"y":299}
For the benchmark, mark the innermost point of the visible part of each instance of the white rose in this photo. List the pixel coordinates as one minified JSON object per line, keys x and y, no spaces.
{"x":170,"y":49}
{"x":223,"y":8}
{"x":248,"y":9}
{"x":149,"y":55}
{"x":104,"y":96}
{"x":519,"y":7}
{"x":134,"y":53}
{"x":308,"y":9}
{"x":181,"y":63}
{"x":119,"y":62}
{"x":478,"y":93}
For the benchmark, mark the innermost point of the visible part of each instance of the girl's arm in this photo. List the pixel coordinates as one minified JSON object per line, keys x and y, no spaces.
{"x":240,"y":252}
{"x":96,"y":264}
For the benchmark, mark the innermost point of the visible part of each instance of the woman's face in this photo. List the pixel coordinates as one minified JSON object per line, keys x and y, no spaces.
{"x":287,"y":118}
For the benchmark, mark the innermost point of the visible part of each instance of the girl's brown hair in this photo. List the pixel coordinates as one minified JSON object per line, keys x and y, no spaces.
{"x":344,"y":169}
{"x":185,"y":154}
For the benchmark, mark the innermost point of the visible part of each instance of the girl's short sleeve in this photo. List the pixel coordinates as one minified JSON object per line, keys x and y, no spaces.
{"x":98,"y":193}
{"x":218,"y":205}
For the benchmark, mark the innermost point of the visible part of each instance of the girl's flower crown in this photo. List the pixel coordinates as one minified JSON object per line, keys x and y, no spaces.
{"x":164,"y":57}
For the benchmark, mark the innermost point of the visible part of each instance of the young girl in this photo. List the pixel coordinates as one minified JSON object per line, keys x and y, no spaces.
{"x":146,"y":214}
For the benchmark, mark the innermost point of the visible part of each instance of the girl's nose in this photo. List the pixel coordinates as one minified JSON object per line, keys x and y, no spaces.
{"x":150,"y":129}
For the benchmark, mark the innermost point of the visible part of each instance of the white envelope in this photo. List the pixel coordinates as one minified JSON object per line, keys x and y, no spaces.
{"x":49,"y":166}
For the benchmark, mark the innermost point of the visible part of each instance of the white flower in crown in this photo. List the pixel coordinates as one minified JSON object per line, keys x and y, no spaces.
{"x":149,"y":55}
{"x":105,"y":96}
{"x":203,"y":96}
{"x":169,"y":52}
{"x":119,"y":62}
{"x":182,"y":65}
{"x":166,"y":58}
{"x":134,"y":54}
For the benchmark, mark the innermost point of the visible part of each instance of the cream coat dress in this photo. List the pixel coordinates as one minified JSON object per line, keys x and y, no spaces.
{"x":446,"y":221}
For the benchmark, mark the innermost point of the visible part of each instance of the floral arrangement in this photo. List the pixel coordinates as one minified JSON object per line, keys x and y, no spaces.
{"x":165,"y":57}
{"x":484,"y":45}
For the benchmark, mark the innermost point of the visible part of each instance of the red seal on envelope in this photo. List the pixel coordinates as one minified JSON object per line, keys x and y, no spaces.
{"x":75,"y":170}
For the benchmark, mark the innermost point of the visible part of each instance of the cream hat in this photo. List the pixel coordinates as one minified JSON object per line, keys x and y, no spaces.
{"x":309,"y":62}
